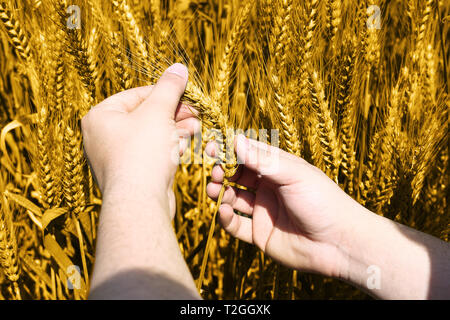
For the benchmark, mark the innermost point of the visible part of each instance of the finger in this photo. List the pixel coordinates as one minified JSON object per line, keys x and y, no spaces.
{"x":185,"y":112}
{"x":166,"y":94}
{"x":240,"y":200}
{"x":265,"y":214}
{"x":272,"y":163}
{"x":213,"y":190}
{"x":238,"y":226}
{"x":126,"y":101}
{"x":189,"y":125}
{"x":244,"y":176}
{"x":212,"y":149}
{"x":217,"y":173}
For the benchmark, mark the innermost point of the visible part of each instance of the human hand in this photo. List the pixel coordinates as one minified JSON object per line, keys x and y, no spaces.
{"x":298,"y":215}
{"x":131,"y":138}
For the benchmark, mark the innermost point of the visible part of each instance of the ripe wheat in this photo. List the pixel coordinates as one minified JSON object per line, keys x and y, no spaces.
{"x":368,"y":106}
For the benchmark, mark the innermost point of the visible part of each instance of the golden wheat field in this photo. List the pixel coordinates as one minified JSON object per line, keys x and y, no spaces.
{"x":358,"y":88}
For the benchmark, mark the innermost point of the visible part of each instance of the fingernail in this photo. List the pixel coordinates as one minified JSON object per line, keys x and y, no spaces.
{"x":211,"y":149}
{"x":178,"y":69}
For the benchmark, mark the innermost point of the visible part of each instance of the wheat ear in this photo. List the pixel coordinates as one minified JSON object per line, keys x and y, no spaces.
{"x":74,"y":193}
{"x":326,"y":127}
{"x":346,"y":117}
{"x":306,"y":53}
{"x":280,"y":46}
{"x":334,"y":19}
{"x":229,"y":53}
{"x":77,"y":47}
{"x":388,"y":172}
{"x":45,"y":168}
{"x":8,"y":244}
{"x":124,"y":80}
{"x":15,"y":33}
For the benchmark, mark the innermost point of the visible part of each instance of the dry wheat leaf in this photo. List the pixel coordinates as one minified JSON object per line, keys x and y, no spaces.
{"x":62,"y":259}
{"x":10,"y":126}
{"x":50,"y":215}
{"x":24,"y":202}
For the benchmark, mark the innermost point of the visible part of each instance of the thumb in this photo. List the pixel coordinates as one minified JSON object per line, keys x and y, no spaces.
{"x":271,"y":163}
{"x":167,"y":92}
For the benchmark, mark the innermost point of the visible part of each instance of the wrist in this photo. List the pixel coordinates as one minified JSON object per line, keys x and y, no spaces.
{"x":145,"y":192}
{"x":130,"y":180}
{"x":354,"y":241}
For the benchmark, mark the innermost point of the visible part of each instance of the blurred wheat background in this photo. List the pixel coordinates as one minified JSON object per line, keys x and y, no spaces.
{"x":361,"y":93}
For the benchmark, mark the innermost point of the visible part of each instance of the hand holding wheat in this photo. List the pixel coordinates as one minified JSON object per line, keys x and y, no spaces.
{"x":301,"y":218}
{"x":297,"y":214}
{"x":129,"y":137}
{"x":129,"y":141}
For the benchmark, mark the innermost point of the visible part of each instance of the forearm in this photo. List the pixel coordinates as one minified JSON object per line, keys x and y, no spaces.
{"x":409,"y":264}
{"x":137,"y":255}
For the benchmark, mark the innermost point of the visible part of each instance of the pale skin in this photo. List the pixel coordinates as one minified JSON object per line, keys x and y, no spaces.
{"x":297,"y":215}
